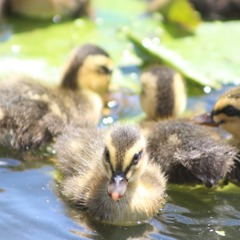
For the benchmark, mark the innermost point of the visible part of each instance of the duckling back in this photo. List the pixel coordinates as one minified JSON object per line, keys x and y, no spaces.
{"x":163,"y":93}
{"x":189,"y":153}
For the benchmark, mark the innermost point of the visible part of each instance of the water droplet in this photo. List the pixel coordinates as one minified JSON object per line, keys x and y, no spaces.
{"x":57,"y":18}
{"x":112,"y":104}
{"x":207,"y":89}
{"x":107,"y":120}
{"x":146,"y":42}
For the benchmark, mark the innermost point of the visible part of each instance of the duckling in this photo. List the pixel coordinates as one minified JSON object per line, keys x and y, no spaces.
{"x":31,"y":114}
{"x":188,"y":153}
{"x":108,"y":174}
{"x":163,"y":93}
{"x":226,"y":114}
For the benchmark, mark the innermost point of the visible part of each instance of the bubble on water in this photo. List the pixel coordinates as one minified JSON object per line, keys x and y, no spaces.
{"x":146,"y":42}
{"x":57,"y":18}
{"x":112,"y":104}
{"x":107,"y":120}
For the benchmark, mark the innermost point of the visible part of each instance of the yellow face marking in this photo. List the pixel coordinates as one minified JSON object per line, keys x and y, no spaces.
{"x":90,"y":77}
{"x":136,"y":148}
{"x":224,"y":102}
{"x":231,"y":123}
{"x":130,"y":173}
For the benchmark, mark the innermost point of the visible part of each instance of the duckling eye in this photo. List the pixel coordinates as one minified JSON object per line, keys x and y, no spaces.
{"x":107,"y":155}
{"x":104,"y":70}
{"x":136,"y":157}
{"x":231,"y":111}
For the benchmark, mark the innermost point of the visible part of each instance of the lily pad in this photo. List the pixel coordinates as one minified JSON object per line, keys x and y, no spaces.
{"x":210,"y":57}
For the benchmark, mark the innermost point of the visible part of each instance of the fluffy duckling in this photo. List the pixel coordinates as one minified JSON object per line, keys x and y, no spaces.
{"x":188,"y":153}
{"x":226,"y":114}
{"x":32,"y":114}
{"x":163,"y":93}
{"x":108,"y":174}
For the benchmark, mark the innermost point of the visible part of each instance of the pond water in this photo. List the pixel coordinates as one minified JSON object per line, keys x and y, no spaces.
{"x":29,"y":203}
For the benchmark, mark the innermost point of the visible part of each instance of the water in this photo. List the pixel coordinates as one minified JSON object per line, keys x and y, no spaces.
{"x":31,"y":209}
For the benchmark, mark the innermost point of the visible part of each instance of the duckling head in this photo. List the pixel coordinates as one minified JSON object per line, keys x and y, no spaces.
{"x":225,"y":113}
{"x":89,"y":67}
{"x":124,"y":159}
{"x":163,"y":92}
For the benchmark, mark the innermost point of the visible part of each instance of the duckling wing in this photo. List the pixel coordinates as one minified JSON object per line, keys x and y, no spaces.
{"x":79,"y":149}
{"x":30,"y":114}
{"x":189,"y":154}
{"x":234,"y":173}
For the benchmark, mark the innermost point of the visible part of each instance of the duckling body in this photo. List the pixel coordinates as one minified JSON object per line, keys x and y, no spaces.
{"x":108,"y":174}
{"x":187,"y":153}
{"x":32,"y":114}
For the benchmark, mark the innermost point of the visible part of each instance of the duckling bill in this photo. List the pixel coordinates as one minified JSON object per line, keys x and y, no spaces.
{"x":32,"y":115}
{"x":107,"y":174}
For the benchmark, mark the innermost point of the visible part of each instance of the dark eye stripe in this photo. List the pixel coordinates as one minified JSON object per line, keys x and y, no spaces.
{"x":107,"y":158}
{"x":133,"y":163}
{"x":104,"y":70}
{"x":229,"y":110}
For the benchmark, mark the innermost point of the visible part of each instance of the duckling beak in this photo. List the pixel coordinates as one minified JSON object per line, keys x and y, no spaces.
{"x":117,"y":186}
{"x":205,"y":119}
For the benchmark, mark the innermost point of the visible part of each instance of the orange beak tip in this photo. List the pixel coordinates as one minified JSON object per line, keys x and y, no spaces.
{"x":115,"y":196}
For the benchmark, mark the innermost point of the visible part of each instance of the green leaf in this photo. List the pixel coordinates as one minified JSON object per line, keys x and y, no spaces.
{"x":178,"y":15}
{"x":182,"y":14}
{"x":209,"y":57}
{"x":153,"y":53}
